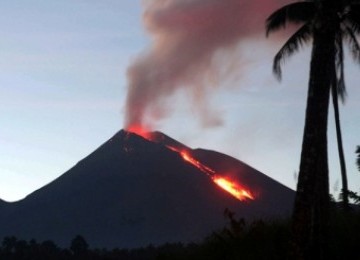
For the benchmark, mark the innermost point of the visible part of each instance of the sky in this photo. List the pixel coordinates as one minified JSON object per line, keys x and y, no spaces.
{"x":63,"y":88}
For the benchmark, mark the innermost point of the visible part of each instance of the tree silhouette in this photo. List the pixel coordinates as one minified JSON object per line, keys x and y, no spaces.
{"x":335,"y":92}
{"x":327,"y":23}
{"x":8,"y":244}
{"x":79,"y":246}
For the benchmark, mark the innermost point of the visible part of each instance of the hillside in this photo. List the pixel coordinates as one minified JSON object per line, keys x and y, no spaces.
{"x":132,"y":192}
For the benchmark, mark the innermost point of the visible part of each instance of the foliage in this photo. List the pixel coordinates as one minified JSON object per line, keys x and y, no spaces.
{"x":79,"y":246}
{"x":330,"y":24}
{"x":259,"y":239}
{"x":345,"y":235}
{"x":354,"y":196}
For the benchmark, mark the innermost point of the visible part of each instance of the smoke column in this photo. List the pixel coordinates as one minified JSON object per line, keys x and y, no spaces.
{"x":187,"y":38}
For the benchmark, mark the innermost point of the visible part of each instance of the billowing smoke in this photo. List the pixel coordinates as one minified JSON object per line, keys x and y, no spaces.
{"x":189,"y":38}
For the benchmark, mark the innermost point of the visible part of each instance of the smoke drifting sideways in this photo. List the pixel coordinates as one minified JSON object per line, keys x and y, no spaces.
{"x":193,"y":44}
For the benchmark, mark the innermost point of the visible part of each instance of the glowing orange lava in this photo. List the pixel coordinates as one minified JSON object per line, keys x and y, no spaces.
{"x":187,"y":157}
{"x":230,"y":186}
{"x":233,"y":188}
{"x":139,"y":130}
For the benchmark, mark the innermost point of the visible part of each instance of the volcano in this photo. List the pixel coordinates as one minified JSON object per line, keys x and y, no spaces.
{"x":136,"y":190}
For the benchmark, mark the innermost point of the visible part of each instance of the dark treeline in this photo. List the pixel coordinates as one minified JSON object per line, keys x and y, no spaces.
{"x":238,"y":240}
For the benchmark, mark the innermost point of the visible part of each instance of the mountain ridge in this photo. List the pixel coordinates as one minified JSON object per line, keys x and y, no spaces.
{"x":131,"y":192}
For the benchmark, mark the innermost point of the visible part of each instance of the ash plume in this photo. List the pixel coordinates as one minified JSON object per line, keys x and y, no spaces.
{"x":190,"y":39}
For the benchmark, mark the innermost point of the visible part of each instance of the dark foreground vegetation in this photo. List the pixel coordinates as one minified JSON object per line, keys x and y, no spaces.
{"x":238,"y":240}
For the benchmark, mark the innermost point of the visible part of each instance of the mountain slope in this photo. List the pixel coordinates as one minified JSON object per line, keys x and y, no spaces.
{"x":3,"y":203}
{"x":131,"y":192}
{"x":273,"y":198}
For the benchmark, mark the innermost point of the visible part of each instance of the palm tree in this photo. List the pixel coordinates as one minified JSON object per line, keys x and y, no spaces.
{"x":358,"y":157}
{"x":338,"y":90}
{"x":335,"y":92}
{"x":327,"y":23}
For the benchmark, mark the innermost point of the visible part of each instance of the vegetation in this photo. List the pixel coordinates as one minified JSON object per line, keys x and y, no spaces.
{"x":354,"y":196}
{"x":238,"y":240}
{"x":345,"y":190}
{"x":327,"y":23}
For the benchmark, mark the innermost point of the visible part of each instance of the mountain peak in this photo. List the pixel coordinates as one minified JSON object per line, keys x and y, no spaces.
{"x":159,"y":137}
{"x":135,"y":190}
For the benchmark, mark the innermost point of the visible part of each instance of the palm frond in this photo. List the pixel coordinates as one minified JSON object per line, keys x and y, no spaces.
{"x":300,"y":12}
{"x":353,"y":43}
{"x":353,"y":18}
{"x":299,"y":38}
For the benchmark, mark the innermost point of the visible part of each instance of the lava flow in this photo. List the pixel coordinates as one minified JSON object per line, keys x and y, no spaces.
{"x":230,"y":186}
{"x":226,"y":184}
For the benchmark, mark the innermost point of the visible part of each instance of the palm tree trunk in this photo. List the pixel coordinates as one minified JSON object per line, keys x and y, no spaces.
{"x":345,"y":191}
{"x":358,"y":157}
{"x":311,"y":209}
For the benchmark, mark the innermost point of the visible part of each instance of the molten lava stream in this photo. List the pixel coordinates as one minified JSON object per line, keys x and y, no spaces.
{"x":233,"y":188}
{"x":228,"y":185}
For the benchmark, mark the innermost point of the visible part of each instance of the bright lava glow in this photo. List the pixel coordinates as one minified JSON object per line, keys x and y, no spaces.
{"x":139,"y":130}
{"x":233,"y":188}
{"x":228,"y":185}
{"x":187,"y":157}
